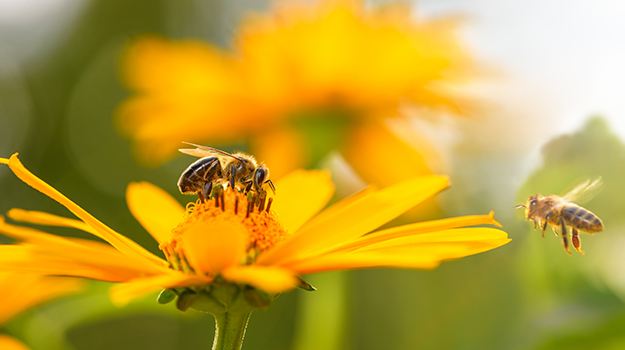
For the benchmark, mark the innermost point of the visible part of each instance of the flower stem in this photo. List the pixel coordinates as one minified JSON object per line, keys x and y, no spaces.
{"x":230,"y":329}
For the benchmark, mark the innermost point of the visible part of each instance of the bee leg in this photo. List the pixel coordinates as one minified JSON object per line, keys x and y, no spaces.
{"x":248,"y":186}
{"x":233,"y":172}
{"x":535,"y":223}
{"x":213,"y":171}
{"x":546,"y":222}
{"x":577,"y":244}
{"x":206,"y":191}
{"x":565,"y":240}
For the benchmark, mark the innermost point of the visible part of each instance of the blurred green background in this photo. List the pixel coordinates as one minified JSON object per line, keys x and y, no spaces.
{"x":59,"y":87}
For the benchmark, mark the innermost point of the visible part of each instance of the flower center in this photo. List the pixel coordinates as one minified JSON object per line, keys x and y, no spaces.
{"x":250,"y":212}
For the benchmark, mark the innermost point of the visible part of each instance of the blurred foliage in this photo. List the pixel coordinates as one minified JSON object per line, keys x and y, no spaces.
{"x":605,"y":336}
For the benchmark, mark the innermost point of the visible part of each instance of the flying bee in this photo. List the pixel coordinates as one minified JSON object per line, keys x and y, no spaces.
{"x":561,"y":211}
{"x":216,"y":167}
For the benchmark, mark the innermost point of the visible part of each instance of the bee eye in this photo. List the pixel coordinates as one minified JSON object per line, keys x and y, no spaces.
{"x":260,"y":176}
{"x":533,"y":202}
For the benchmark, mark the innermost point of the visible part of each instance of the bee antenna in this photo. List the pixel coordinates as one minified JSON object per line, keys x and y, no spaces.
{"x":273,"y":188}
{"x":520,"y":206}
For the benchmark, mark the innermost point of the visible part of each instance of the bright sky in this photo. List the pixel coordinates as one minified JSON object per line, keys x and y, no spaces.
{"x":569,"y":55}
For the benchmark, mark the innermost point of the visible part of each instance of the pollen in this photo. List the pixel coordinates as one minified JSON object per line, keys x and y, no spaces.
{"x":252,"y":212}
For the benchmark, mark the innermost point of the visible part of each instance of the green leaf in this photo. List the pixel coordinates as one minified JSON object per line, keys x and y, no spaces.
{"x":166,"y":296}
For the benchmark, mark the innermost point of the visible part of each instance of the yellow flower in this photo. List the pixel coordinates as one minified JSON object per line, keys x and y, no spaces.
{"x":19,"y":292}
{"x":243,"y":240}
{"x":334,"y":58}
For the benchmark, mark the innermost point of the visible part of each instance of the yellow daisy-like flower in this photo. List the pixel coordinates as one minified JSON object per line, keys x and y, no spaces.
{"x":230,"y":254}
{"x":337,"y":57}
{"x":243,"y":240}
{"x":19,"y":292}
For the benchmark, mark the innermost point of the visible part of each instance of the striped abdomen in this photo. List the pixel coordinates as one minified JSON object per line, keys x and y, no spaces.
{"x":581,"y":219}
{"x":197,"y":174}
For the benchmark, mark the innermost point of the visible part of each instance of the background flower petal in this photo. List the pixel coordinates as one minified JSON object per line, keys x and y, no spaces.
{"x":10,"y":343}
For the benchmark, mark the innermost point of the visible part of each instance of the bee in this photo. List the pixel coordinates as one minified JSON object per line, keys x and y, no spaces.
{"x":216,"y":167}
{"x":562,"y":212}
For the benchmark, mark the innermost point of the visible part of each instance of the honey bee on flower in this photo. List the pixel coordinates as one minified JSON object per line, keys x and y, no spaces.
{"x":216,"y":167}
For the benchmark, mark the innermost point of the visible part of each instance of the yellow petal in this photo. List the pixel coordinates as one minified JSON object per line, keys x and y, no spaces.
{"x":32,"y":235}
{"x":81,"y":251}
{"x":47,"y":219}
{"x":211,"y":247}
{"x":395,"y":141}
{"x":355,"y":220}
{"x":9,"y":343}
{"x":337,"y":207}
{"x":22,"y":259}
{"x":120,"y":242}
{"x":21,"y":291}
{"x":62,"y":245}
{"x":428,"y":252}
{"x":270,"y":279}
{"x":348,"y":261}
{"x":420,"y":228}
{"x":122,"y":294}
{"x":300,"y":195}
{"x":458,"y":235}
{"x":53,"y":255}
{"x":155,"y":209}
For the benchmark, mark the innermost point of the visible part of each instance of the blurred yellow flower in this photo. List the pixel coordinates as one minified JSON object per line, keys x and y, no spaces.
{"x":332,"y":59}
{"x":19,"y":292}
{"x":242,"y":240}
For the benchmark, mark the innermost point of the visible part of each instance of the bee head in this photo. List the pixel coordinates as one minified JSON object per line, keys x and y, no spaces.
{"x":530,"y":206}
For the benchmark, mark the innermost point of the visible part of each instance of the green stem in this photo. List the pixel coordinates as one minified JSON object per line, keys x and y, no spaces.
{"x":230,"y":329}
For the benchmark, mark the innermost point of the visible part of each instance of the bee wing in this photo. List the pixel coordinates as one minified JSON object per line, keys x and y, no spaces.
{"x":585,"y":191}
{"x":204,"y":151}
{"x":197,"y":152}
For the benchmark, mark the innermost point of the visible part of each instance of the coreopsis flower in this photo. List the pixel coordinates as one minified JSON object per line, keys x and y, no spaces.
{"x":232,"y":253}
{"x":295,"y":75}
{"x":19,"y":292}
